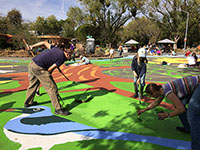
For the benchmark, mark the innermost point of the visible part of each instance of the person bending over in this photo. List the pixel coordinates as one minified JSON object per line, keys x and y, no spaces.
{"x":40,"y":71}
{"x":180,"y":92}
{"x":139,"y":68}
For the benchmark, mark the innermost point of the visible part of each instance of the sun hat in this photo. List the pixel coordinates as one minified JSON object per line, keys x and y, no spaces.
{"x":142,"y":52}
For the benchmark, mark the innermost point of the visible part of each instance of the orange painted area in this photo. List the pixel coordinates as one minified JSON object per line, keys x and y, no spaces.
{"x":93,"y":72}
{"x":90,"y":73}
{"x":82,"y":78}
{"x":82,"y":70}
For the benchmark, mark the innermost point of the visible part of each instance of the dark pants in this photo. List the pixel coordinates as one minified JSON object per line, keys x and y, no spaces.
{"x":193,"y":115}
{"x":191,"y":118}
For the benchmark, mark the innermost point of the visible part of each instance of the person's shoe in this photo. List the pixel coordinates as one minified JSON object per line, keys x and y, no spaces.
{"x":62,"y":112}
{"x":182,"y":129}
{"x":28,"y":105}
{"x":37,"y":93}
{"x":135,"y":95}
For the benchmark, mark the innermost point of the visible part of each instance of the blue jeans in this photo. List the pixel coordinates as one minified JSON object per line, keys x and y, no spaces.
{"x":193,"y":115}
{"x":183,"y":116}
{"x":142,"y":80}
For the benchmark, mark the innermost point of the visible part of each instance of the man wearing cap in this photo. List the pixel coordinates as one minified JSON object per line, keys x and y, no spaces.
{"x":139,"y":68}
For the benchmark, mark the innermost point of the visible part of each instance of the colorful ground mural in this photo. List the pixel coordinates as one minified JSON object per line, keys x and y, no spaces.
{"x":106,"y":120}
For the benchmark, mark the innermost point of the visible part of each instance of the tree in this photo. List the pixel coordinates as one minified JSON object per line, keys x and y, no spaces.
{"x":14,"y":21}
{"x":109,"y":16}
{"x":77,"y":17}
{"x":142,"y":30}
{"x":67,"y":28}
{"x":3,"y":25}
{"x":53,"y":27}
{"x":171,"y":17}
{"x":16,"y":28}
{"x":47,"y":26}
{"x":40,"y":25}
{"x":85,"y":30}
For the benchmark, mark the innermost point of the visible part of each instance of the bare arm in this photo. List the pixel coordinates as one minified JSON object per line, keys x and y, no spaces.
{"x":134,"y":73}
{"x":51,"y":69}
{"x":179,"y":107}
{"x":81,"y":61}
{"x":28,"y":47}
{"x":45,"y":43}
{"x":152,"y":105}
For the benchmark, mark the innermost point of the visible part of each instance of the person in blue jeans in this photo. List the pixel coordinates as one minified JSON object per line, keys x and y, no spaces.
{"x":180,"y":92}
{"x":139,"y":68}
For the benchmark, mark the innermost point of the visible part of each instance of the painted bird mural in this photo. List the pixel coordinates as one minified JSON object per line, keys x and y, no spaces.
{"x":38,"y":127}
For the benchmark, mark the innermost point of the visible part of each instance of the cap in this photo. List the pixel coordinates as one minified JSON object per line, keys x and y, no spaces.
{"x":142,"y":52}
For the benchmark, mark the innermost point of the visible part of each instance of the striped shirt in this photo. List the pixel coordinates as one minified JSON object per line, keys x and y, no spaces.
{"x":181,"y":87}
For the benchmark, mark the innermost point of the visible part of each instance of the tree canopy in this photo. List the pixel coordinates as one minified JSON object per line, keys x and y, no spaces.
{"x":109,"y":16}
{"x":107,"y":21}
{"x":171,"y":16}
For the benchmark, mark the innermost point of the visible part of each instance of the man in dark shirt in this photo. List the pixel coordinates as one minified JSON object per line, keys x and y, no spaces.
{"x":40,"y":70}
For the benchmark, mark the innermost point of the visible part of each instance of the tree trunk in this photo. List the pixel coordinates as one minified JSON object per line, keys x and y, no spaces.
{"x":176,"y":41}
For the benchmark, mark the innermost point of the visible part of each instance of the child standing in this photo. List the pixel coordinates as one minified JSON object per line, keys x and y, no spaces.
{"x":139,"y":68}
{"x":112,"y":51}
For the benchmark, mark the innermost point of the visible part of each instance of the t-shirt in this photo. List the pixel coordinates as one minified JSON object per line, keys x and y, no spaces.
{"x":112,"y":51}
{"x":85,"y":60}
{"x":120,"y":47}
{"x":191,"y":60}
{"x":71,"y":47}
{"x":50,"y":57}
{"x":181,"y":87}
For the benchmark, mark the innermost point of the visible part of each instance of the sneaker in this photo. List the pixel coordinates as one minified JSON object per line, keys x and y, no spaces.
{"x":62,"y":112}
{"x":38,"y":93}
{"x":182,"y":129}
{"x":28,"y":105}
{"x":79,"y":101}
{"x":135,"y":95}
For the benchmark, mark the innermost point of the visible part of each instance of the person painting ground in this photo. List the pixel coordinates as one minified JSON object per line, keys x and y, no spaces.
{"x":139,"y":68}
{"x":84,"y":60}
{"x":180,"y":92}
{"x":48,"y":46}
{"x":40,"y":71}
{"x":39,"y":44}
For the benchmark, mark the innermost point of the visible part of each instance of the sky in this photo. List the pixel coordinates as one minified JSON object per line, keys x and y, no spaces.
{"x":31,"y":9}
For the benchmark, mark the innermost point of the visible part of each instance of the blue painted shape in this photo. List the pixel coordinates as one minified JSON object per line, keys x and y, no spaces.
{"x":50,"y":127}
{"x":41,"y":121}
{"x":111,"y":135}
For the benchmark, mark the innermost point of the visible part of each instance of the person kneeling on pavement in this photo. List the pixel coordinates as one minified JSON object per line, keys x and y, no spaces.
{"x":181,"y":92}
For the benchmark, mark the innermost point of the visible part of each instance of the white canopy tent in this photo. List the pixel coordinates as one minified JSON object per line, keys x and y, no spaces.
{"x":167,"y":48}
{"x":166,"y":41}
{"x":131,"y":42}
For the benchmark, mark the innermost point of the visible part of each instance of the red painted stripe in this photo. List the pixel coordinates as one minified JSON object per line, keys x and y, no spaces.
{"x":7,"y":110}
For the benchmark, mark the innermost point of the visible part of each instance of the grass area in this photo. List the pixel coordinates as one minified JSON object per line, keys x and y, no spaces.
{"x":106,"y":110}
